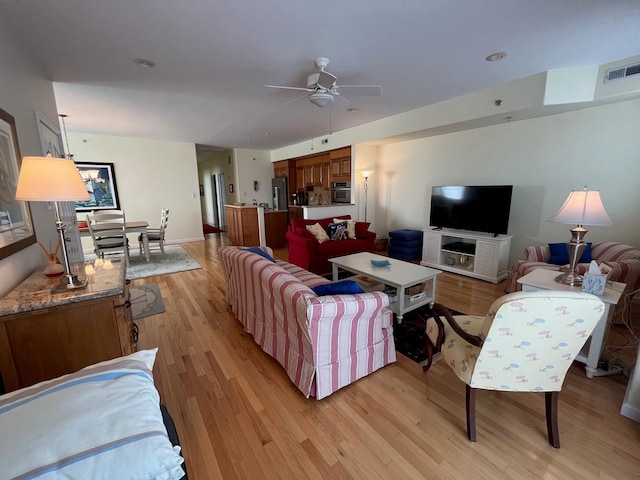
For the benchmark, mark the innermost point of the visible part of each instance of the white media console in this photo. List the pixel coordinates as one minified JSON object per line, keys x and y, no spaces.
{"x":478,"y":255}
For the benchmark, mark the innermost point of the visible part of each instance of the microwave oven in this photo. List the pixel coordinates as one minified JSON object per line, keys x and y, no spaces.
{"x":341,"y":192}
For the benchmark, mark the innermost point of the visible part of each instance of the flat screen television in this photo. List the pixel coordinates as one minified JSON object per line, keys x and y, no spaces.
{"x":483,"y":208}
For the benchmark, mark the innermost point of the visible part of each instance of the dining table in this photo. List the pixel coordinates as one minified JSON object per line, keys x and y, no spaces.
{"x":138,"y":226}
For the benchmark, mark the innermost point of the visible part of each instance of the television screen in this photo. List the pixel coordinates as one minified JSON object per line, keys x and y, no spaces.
{"x":477,"y":208}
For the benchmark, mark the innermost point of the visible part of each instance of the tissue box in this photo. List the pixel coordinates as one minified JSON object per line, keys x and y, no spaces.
{"x":593,"y":283}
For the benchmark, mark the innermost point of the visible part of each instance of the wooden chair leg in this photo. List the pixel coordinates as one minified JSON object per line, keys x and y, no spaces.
{"x":430,"y":348}
{"x":551,"y":407}
{"x":471,"y":413}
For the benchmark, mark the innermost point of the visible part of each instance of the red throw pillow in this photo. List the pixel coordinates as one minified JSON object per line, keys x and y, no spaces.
{"x":361,"y":229}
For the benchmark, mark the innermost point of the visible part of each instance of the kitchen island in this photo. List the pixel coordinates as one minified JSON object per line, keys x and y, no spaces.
{"x":252,"y":225}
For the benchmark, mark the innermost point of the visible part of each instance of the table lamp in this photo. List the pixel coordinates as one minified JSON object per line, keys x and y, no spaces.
{"x":50,"y":179}
{"x":582,"y":207}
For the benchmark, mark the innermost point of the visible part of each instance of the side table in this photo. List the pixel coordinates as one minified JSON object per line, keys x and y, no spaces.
{"x":542,"y":279}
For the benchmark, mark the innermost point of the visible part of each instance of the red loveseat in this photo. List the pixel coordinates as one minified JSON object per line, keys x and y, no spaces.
{"x":307,"y":253}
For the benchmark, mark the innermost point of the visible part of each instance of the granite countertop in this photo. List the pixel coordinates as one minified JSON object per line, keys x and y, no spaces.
{"x":35,"y":292}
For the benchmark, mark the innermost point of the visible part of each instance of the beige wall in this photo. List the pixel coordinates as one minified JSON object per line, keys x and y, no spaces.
{"x":544,"y":158}
{"x":24,"y":89}
{"x":150,"y":175}
{"x":254,"y":165}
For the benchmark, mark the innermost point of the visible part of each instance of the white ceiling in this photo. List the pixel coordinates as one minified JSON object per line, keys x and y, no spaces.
{"x":214,"y":58}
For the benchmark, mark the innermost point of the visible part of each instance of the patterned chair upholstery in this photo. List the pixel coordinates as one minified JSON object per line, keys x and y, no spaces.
{"x":624,"y":259}
{"x":526,"y":343}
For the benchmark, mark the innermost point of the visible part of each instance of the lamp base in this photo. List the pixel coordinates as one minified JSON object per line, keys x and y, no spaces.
{"x":68,"y":282}
{"x":569,"y":278}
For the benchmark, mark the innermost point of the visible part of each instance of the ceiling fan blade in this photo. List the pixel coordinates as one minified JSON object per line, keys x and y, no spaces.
{"x":336,"y":94}
{"x":296,"y":99}
{"x":371,"y":90}
{"x":290,"y":88}
{"x":326,"y":80}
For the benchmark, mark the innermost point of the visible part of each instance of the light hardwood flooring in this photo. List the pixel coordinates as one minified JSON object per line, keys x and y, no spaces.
{"x":239,"y":416}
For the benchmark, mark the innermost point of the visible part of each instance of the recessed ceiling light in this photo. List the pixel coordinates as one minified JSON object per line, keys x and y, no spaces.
{"x":494,"y":57}
{"x":141,"y":62}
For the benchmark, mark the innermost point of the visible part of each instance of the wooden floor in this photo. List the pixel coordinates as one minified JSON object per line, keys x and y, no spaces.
{"x":239,"y":416}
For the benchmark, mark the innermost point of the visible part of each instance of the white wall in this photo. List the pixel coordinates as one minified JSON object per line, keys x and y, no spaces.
{"x":544,"y":158}
{"x":24,"y":89}
{"x":150,"y":175}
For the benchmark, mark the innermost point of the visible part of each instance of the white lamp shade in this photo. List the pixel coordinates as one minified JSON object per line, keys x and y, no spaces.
{"x":367,"y":173}
{"x":48,"y":179}
{"x":583,"y":207}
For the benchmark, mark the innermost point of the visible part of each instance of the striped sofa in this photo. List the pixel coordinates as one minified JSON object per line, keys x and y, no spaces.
{"x":324,"y":343}
{"x":624,"y":259}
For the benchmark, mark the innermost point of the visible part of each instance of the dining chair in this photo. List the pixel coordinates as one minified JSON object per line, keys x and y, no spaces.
{"x":108,"y":233}
{"x":156,"y":235}
{"x":525,"y":343}
{"x":5,"y":218}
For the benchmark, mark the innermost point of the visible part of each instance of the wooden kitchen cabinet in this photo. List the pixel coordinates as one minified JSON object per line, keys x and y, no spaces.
{"x":44,"y":335}
{"x":340,"y":164}
{"x":275,"y":225}
{"x":287,"y":169}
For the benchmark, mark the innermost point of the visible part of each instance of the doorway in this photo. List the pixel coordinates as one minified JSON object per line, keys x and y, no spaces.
{"x":218,"y":190}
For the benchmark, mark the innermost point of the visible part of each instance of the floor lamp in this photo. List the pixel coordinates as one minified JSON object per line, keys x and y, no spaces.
{"x":50,"y":179}
{"x":582,"y":207}
{"x":366,"y":174}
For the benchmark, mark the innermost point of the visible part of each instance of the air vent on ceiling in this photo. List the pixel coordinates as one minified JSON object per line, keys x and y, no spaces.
{"x":621,"y":72}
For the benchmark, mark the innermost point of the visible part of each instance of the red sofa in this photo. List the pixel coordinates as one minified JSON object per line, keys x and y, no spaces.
{"x":307,"y":253}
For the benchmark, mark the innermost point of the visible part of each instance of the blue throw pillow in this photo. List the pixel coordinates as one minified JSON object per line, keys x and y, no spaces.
{"x":338,"y":231}
{"x":341,"y":287}
{"x":260,"y":252}
{"x":560,"y":254}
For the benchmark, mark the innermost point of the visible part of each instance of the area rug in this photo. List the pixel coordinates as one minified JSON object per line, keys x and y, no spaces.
{"x":410,"y":336}
{"x":175,"y":259}
{"x":145,"y":300}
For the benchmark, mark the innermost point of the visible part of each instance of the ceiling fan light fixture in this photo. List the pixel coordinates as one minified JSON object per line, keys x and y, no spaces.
{"x":321,"y":99}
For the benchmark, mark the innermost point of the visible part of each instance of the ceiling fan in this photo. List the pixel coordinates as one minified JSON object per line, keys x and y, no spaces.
{"x":321,"y":87}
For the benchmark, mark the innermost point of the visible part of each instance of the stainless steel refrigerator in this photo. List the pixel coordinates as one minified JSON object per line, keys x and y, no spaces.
{"x":280,"y":193}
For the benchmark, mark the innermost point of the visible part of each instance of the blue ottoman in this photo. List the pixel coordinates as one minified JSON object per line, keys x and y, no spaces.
{"x":405,"y":244}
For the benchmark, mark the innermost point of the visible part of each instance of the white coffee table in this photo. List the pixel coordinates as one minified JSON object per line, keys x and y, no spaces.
{"x":542,"y":279}
{"x":398,"y":274}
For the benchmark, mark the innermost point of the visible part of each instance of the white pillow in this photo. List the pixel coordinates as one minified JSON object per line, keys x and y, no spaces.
{"x":351,"y":226}
{"x":103,"y":421}
{"x":318,"y":232}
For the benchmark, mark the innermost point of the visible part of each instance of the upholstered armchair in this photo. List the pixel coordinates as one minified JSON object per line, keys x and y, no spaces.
{"x":525,"y":343}
{"x":624,"y":260}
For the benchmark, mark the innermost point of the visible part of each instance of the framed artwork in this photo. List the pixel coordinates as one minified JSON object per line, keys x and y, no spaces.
{"x":100,"y":181}
{"x":50,"y":139}
{"x":16,"y":228}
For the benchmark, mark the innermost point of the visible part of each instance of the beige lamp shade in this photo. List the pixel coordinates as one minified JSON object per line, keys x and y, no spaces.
{"x":48,"y":179}
{"x":366,"y":173}
{"x":582,"y":207}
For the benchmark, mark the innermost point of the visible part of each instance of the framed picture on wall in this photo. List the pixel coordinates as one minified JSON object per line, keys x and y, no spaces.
{"x":16,"y":228}
{"x":50,"y":139}
{"x":100,"y":181}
